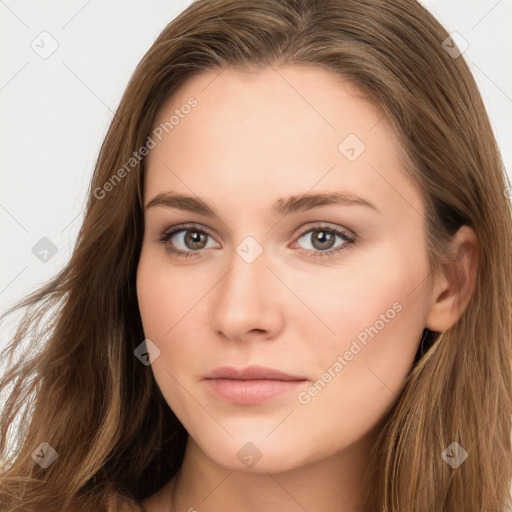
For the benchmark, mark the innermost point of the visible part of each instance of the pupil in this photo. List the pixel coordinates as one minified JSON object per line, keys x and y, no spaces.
{"x":324,"y":238}
{"x":194,"y":237}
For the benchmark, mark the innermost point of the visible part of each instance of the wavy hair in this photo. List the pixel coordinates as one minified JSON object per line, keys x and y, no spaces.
{"x":73,"y":381}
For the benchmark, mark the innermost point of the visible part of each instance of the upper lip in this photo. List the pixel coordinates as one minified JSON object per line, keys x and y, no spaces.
{"x":250,"y":373}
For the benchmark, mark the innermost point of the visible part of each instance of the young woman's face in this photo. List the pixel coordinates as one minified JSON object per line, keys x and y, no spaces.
{"x":331,"y":293}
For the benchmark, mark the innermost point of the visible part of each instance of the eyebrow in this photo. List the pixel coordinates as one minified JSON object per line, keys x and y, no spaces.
{"x":281,"y":208}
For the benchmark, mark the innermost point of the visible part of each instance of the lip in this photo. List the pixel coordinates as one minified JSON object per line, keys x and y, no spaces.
{"x":251,"y":385}
{"x":251,"y":373}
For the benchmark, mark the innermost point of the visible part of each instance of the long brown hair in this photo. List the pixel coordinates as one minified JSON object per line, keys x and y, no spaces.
{"x":76,"y":384}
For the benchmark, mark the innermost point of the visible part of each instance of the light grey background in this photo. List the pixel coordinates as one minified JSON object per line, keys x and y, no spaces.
{"x":55,"y":110}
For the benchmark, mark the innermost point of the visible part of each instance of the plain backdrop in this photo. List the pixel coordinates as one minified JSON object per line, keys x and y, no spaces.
{"x":64,"y":67}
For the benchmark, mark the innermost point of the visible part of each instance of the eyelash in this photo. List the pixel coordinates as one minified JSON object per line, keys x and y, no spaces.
{"x":349,"y":241}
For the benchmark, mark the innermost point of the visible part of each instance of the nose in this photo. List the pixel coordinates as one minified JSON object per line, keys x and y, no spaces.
{"x":248,"y":301}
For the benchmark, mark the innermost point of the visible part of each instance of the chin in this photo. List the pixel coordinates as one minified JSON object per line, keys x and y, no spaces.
{"x":256,"y":454}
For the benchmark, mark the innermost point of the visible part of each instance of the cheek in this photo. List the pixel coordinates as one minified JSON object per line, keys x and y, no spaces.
{"x":164,"y":294}
{"x":378,"y":318}
{"x":359,"y":382}
{"x":376,"y":302}
{"x":163,"y":310}
{"x":166,"y":307}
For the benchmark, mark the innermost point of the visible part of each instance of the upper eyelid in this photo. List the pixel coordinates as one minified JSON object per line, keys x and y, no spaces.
{"x":327,"y":226}
{"x":187,"y":227}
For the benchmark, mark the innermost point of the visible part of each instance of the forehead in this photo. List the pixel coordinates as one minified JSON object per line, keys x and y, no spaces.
{"x":275,"y":133}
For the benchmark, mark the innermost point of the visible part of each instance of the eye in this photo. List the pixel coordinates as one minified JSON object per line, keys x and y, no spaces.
{"x":185,"y":240}
{"x":322,"y":239}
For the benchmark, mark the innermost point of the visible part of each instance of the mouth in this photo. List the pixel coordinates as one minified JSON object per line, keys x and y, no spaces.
{"x":252,"y":385}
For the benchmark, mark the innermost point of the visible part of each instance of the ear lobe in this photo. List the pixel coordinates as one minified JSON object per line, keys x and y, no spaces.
{"x":454,"y":288}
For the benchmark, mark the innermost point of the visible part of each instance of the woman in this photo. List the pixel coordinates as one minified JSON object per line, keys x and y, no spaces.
{"x":292,"y":286}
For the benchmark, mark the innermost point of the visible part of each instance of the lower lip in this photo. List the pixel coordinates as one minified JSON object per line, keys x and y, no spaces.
{"x":252,"y":391}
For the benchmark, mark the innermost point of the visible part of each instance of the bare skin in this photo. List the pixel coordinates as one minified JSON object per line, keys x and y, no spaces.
{"x":250,"y":141}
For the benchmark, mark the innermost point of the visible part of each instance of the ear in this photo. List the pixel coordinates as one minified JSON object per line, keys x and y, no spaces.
{"x":453,"y":289}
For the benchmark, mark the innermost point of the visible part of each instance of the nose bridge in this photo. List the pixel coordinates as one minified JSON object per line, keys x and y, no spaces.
{"x":249,"y":274}
{"x":246,"y":297}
